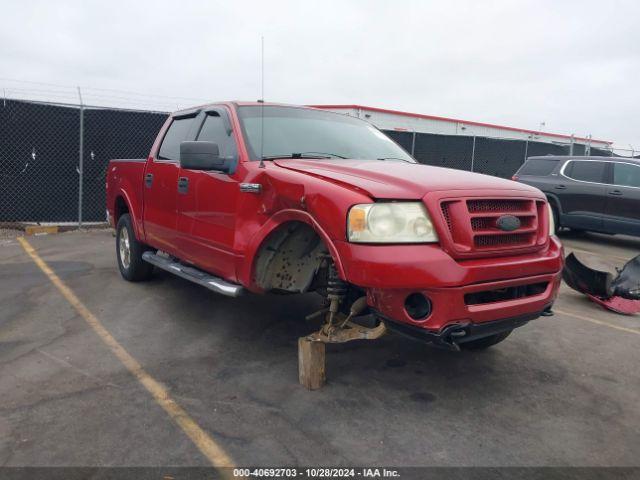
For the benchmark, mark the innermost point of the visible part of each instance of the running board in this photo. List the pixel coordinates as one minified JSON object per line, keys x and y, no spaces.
{"x":194,"y":275}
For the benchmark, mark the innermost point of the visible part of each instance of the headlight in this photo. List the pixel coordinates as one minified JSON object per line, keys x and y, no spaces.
{"x":552,"y":222}
{"x":390,"y":222}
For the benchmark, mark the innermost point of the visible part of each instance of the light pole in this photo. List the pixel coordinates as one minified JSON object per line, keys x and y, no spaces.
{"x":542,"y":124}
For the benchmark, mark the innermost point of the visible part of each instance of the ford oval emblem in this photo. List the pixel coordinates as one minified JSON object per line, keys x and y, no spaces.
{"x":508,"y":223}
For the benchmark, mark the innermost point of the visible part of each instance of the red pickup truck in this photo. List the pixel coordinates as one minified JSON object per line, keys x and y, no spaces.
{"x":267,"y":198}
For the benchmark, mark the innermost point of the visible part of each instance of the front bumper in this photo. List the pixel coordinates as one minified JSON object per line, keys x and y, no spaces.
{"x":389,"y":274}
{"x":453,"y":335}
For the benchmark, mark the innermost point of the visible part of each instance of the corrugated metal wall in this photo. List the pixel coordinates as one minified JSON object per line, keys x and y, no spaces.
{"x":410,"y":123}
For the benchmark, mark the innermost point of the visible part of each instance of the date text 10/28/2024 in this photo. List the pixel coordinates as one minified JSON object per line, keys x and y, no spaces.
{"x":316,"y":472}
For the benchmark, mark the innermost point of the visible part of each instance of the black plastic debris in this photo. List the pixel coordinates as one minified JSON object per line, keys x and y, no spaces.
{"x":585,"y":279}
{"x":627,"y":283}
{"x":620,"y":294}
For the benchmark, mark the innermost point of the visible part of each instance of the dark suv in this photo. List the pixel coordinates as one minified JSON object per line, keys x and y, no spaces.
{"x":601,"y":194}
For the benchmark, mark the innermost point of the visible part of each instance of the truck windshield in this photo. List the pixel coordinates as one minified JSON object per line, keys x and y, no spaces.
{"x":305,"y":133}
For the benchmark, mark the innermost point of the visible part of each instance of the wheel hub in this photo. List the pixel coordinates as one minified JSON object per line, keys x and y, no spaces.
{"x":125,"y":249}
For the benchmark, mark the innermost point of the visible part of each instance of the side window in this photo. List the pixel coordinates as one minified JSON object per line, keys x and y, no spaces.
{"x":586,"y":171}
{"x":538,"y":167}
{"x":626,"y":175}
{"x":568,"y":168}
{"x":177,"y":133}
{"x":214,"y":130}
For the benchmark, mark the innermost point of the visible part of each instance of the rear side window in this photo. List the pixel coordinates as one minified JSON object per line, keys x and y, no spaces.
{"x":177,"y":133}
{"x":626,"y":175}
{"x":585,"y":171}
{"x":538,"y":167}
{"x":214,"y":130}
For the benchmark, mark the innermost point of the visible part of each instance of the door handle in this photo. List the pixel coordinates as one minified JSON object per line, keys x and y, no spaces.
{"x":561,"y":187}
{"x":615,"y":192}
{"x":183,"y":185}
{"x":148,"y":180}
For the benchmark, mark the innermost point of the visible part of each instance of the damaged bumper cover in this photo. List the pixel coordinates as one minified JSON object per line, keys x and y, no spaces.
{"x":620,"y":293}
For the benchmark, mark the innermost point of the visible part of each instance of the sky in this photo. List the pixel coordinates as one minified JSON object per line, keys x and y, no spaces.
{"x":574,"y":65}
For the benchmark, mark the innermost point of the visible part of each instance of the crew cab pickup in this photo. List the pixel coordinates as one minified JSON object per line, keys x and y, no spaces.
{"x":246,"y":197}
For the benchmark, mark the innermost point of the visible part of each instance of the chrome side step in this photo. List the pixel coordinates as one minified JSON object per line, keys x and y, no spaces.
{"x":194,"y":275}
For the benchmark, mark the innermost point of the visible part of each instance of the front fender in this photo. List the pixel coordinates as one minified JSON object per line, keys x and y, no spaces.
{"x":278,"y":219}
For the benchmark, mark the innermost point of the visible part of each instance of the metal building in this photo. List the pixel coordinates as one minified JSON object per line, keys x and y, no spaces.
{"x":415,"y":122}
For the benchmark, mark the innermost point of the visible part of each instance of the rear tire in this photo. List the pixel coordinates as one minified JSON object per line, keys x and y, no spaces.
{"x":129,"y":252}
{"x":485,"y":342}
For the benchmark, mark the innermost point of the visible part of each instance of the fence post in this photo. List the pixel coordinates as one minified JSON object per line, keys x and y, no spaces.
{"x":473,"y":152}
{"x":573,"y":141}
{"x":80,"y":160}
{"x":413,"y":145}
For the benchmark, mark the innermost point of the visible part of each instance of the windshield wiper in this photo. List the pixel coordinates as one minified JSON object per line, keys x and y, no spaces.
{"x":396,"y":158}
{"x":311,"y":155}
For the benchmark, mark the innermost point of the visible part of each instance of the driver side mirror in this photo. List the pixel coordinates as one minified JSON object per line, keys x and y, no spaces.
{"x":202,"y":156}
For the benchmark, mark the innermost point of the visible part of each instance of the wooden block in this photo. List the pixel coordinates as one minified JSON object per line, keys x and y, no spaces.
{"x":311,"y":370}
{"x":40,"y":230}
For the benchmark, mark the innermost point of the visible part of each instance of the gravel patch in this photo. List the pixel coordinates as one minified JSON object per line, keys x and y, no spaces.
{"x":10,"y":233}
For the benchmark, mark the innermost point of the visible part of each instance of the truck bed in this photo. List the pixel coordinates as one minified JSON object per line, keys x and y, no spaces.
{"x":125,"y":176}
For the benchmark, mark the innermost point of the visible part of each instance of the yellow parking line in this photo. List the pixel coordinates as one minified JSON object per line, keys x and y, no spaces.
{"x":597,"y":322}
{"x":214,"y":453}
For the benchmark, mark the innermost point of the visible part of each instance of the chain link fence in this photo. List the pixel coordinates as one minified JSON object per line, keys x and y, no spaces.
{"x":112,"y":134}
{"x":53,"y":157}
{"x":500,"y":157}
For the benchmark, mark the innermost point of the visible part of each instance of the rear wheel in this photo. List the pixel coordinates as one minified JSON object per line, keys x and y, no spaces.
{"x":129,"y":252}
{"x":485,"y":342}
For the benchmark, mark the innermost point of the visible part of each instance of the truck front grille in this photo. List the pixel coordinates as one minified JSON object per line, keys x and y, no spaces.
{"x":491,"y":241}
{"x":473,"y":224}
{"x":476,"y":206}
{"x":445,"y":213}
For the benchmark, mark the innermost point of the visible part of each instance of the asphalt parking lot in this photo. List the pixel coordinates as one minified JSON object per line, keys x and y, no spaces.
{"x":561,"y":391}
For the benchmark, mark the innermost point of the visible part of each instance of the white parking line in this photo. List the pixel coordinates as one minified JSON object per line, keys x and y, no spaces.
{"x":596,"y":321}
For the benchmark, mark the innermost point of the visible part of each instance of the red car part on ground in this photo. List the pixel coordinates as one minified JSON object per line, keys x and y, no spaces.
{"x":620,"y":294}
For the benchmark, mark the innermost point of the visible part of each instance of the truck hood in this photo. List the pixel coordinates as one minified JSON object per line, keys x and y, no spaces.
{"x":400,"y":180}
